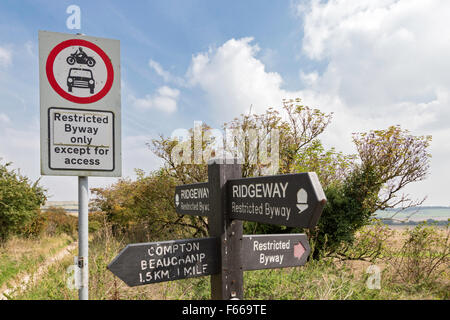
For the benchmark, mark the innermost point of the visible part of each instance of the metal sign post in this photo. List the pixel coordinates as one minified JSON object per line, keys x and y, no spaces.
{"x":83,"y":234}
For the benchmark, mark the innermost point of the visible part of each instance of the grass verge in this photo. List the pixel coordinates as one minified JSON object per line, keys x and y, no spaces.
{"x":329,"y":278}
{"x":20,"y":255}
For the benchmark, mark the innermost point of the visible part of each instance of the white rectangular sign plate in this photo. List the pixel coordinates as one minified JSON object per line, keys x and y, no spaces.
{"x":81,"y":139}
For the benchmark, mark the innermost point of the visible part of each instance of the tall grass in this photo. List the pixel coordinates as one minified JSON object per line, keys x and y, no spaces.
{"x":330,"y":278}
{"x":20,"y":255}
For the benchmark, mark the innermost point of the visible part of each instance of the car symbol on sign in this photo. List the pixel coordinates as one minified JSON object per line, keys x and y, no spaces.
{"x":80,"y":78}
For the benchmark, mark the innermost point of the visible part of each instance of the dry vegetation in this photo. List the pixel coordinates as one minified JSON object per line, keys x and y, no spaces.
{"x":21,"y":257}
{"x":332,"y":277}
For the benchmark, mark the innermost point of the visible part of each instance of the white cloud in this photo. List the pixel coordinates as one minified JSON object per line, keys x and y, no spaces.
{"x":234,"y":79}
{"x":166,"y":75}
{"x":4,"y":119}
{"x":165,"y":100}
{"x":159,"y":70}
{"x":137,"y":155}
{"x":29,"y":48}
{"x":381,"y":54}
{"x":385,"y":64}
{"x":21,"y":147}
{"x":5,"y":57}
{"x":309,"y":79}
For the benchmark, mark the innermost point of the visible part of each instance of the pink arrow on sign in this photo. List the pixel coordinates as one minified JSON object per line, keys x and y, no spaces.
{"x":299,"y":250}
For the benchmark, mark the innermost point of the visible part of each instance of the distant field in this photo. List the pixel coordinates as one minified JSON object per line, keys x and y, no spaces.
{"x":412,"y":214}
{"x":71,"y":207}
{"x":418,"y":214}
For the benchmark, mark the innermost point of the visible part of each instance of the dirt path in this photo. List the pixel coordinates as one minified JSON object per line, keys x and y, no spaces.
{"x":22,"y":280}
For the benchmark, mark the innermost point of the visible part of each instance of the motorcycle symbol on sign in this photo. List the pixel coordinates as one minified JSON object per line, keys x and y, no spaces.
{"x":80,"y":57}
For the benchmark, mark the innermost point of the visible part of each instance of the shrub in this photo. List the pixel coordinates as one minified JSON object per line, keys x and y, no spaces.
{"x":53,"y":222}
{"x":424,"y":256}
{"x":97,"y":220}
{"x":370,"y":243}
{"x":20,"y":200}
{"x":145,"y":209}
{"x":349,"y":208}
{"x":36,"y":227}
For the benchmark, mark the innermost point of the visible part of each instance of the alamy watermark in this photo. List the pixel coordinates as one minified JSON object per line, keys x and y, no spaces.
{"x":74,"y":278}
{"x":74,"y":20}
{"x":374,"y":280}
{"x":253,"y":146}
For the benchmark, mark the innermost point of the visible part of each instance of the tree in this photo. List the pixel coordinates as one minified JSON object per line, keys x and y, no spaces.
{"x":389,"y":160}
{"x":331,"y":167}
{"x":356,"y":185}
{"x":397,"y":159}
{"x":144,"y":209}
{"x":250,"y":138}
{"x":20,"y":200}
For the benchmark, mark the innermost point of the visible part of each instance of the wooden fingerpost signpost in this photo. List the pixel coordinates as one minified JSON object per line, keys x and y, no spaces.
{"x":228,"y":283}
{"x":79,"y":78}
{"x":227,"y":199}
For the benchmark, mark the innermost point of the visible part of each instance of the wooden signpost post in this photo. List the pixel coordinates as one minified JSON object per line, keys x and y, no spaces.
{"x":294,"y":200}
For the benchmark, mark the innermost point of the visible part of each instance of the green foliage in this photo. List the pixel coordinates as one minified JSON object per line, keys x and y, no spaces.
{"x":318,"y":279}
{"x":298,"y":127}
{"x":349,"y":207}
{"x":52,"y":222}
{"x":96,"y":221}
{"x":20,"y":200}
{"x":8,"y":268}
{"x":21,"y":255}
{"x":396,"y":158}
{"x":145,"y":208}
{"x":389,"y":160}
{"x":35,"y":227}
{"x":356,"y":186}
{"x":330,"y":166}
{"x":57,"y":222}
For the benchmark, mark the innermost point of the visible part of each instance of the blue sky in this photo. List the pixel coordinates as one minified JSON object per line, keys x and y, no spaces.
{"x":373,"y":64}
{"x":168,"y":32}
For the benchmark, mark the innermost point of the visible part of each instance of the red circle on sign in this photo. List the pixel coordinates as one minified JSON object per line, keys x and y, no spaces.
{"x":54,"y":84}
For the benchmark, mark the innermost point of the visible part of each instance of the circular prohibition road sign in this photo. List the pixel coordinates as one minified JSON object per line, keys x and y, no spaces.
{"x":88,"y":67}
